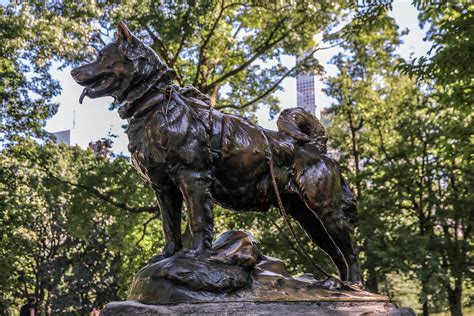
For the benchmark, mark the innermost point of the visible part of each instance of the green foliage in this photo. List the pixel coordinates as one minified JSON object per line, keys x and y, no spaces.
{"x":71,"y":237}
{"x":221,"y":46}
{"x":447,"y":130}
{"x":364,"y":86}
{"x":451,"y":28}
{"x":407,"y":144}
{"x":61,"y":242}
{"x":75,"y":227}
{"x":31,"y":37}
{"x":229,"y":50}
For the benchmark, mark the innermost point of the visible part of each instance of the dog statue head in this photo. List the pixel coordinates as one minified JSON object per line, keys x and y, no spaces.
{"x":124,"y":69}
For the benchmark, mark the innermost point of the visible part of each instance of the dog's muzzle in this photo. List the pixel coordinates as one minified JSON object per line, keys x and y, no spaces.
{"x":75,"y":74}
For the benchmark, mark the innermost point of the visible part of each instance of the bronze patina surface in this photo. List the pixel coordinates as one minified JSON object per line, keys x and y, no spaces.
{"x":190,"y":153}
{"x":235,"y":271}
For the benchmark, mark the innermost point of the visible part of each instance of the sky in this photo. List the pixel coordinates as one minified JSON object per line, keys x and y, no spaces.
{"x":92,"y":120}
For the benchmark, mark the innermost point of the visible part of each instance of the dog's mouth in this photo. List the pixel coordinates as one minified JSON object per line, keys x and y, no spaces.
{"x":96,"y":87}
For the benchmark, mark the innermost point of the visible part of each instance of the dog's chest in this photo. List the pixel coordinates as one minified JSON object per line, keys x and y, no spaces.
{"x":152,"y":140}
{"x":147,"y":147}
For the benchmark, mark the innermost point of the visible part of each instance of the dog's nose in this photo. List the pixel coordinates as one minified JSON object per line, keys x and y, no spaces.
{"x":74,"y":73}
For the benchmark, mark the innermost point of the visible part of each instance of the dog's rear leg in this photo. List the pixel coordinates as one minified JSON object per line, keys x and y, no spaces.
{"x":196,"y":189}
{"x":339,"y":232}
{"x":342,"y":235}
{"x":170,"y":202}
{"x":317,"y":232}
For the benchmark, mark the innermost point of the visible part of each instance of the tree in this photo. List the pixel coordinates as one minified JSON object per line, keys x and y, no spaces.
{"x":32,"y":37}
{"x":450,"y":72}
{"x":220,"y":46}
{"x":408,"y":146}
{"x":59,"y":240}
{"x":74,"y":247}
{"x":427,"y":171}
{"x":79,"y":208}
{"x":90,"y":222}
{"x":365,"y":74}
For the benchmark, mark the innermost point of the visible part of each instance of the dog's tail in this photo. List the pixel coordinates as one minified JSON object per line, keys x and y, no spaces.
{"x":302,"y":126}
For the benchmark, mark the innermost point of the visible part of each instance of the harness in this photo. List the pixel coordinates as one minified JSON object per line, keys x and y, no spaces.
{"x":211,"y":125}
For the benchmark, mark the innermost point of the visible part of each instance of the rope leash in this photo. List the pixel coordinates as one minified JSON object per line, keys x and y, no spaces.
{"x":287,"y":221}
{"x":282,"y":209}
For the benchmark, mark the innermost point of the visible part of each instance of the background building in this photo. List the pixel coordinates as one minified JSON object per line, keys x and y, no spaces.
{"x":101,"y":147}
{"x":327,"y":118}
{"x":305,"y":89}
{"x":62,"y":137}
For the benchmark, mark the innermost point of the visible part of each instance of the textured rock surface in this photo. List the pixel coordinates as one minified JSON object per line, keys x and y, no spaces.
{"x":235,"y":271}
{"x":254,"y":308}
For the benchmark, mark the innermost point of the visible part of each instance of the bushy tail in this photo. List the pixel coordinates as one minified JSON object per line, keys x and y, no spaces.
{"x":302,"y":126}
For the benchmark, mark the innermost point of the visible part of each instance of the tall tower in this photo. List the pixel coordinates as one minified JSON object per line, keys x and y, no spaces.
{"x":62,"y":137}
{"x":305,"y":89}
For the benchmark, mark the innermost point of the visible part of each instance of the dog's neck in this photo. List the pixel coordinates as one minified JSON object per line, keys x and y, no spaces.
{"x":131,"y":102}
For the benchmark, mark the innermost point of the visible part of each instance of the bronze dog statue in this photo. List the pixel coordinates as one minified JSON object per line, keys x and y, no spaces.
{"x":189,"y":152}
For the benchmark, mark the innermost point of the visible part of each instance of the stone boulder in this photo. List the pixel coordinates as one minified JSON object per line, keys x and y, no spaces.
{"x":236,"y":270}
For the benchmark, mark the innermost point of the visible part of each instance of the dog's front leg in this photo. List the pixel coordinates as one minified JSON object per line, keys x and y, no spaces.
{"x":170,"y":201}
{"x":196,"y":189}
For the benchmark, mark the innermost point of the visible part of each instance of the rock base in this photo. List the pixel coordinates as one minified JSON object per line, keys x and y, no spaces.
{"x":237,"y":279}
{"x":235,"y":271}
{"x":257,"y":308}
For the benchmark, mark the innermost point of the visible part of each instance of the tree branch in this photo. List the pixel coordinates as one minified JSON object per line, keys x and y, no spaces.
{"x":234,"y":36}
{"x":217,"y":61}
{"x":272,"y":88}
{"x":382,"y":146}
{"x":206,"y":41}
{"x":254,"y":100}
{"x":185,"y":26}
{"x":162,"y":50}
{"x":290,"y":242}
{"x":258,"y":52}
{"x":106,"y":198}
{"x":160,"y":45}
{"x":144,"y":229}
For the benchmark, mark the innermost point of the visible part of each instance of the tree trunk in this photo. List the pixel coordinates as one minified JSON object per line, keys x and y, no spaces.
{"x":425,"y":309}
{"x":425,"y":291}
{"x":355,"y":154}
{"x":454,"y":298}
{"x":214,"y":95}
{"x":372,"y":281}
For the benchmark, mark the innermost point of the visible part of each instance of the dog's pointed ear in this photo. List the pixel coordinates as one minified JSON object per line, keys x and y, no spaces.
{"x":123,"y":33}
